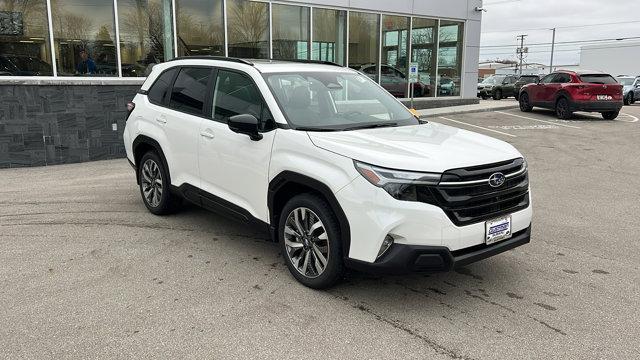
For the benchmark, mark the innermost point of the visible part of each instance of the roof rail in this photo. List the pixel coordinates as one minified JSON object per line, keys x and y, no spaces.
{"x":321,"y":62}
{"x":213,"y":57}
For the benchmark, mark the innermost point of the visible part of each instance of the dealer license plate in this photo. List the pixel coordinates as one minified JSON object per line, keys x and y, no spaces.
{"x":498,"y":230}
{"x":604,"y":97}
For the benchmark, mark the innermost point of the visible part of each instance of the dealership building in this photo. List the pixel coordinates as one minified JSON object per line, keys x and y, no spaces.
{"x":68,"y":67}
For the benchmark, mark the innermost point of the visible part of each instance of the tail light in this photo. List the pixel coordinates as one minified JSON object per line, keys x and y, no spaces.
{"x":130,"y":107}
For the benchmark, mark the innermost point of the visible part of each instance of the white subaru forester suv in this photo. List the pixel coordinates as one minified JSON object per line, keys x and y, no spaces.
{"x":339,"y":171}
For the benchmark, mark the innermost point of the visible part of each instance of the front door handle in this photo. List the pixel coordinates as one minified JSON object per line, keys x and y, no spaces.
{"x":206,"y":134}
{"x":161,"y":120}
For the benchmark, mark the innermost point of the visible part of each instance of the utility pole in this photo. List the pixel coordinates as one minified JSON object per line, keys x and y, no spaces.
{"x":521,"y":51}
{"x":553,"y":48}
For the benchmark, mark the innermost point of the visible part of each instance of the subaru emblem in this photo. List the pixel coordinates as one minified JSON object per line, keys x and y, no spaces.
{"x":497,"y":180}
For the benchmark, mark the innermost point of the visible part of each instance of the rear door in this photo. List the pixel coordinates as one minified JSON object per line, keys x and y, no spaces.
{"x":233,"y":167}
{"x":182,"y":120}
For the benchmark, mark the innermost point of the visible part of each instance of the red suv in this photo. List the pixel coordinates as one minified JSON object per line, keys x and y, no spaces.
{"x":569,"y":91}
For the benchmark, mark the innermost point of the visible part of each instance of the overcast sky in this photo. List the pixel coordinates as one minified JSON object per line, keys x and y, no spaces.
{"x":505,"y":19}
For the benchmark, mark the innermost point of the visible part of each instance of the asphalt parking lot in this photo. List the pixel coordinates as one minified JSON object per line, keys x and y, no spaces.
{"x":87,"y":272}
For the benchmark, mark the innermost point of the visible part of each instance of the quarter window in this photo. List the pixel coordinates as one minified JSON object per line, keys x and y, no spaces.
{"x":236,"y":94}
{"x":189,"y":90}
{"x":159,"y":89}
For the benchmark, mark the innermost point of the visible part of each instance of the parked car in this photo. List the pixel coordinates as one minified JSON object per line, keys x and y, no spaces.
{"x":522,"y":81}
{"x":394,"y":81}
{"x":334,"y":167}
{"x":497,"y":87}
{"x":568,"y":91}
{"x":446,"y":86}
{"x":22,"y":65}
{"x":630,"y":88}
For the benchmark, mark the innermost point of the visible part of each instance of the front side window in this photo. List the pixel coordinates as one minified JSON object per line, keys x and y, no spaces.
{"x":547,"y":79}
{"x":334,"y":101}
{"x":236,"y":94}
{"x":189,"y":90}
{"x":159,"y":89}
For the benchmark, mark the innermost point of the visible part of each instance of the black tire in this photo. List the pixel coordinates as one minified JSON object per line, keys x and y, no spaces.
{"x":484,"y":97}
{"x":168,"y":203}
{"x":497,"y":95}
{"x":334,"y":269}
{"x":525,"y":104}
{"x":629,"y":100}
{"x":610,"y":115}
{"x":562,"y":109}
{"x":516,"y":96}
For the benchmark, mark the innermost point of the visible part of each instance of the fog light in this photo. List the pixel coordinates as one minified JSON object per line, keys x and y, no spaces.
{"x":386,"y":244}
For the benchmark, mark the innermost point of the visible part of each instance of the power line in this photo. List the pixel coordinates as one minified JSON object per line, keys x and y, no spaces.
{"x":563,"y":27}
{"x":566,"y":42}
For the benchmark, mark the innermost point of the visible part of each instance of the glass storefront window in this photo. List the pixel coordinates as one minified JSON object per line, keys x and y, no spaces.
{"x":248,"y":29}
{"x":364,"y":43}
{"x":423,"y":51}
{"x":24,"y":39}
{"x":329,"y":35}
{"x":290,"y":32}
{"x":84,"y":37}
{"x":450,"y":58}
{"x":145,"y":34}
{"x":395,"y":48}
{"x":200,"y":27}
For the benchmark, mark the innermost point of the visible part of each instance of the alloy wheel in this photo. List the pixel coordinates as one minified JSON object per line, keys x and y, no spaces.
{"x":306,"y":242}
{"x":151,"y":180}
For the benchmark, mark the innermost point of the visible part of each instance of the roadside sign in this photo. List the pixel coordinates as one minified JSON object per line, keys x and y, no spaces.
{"x":413,"y":72}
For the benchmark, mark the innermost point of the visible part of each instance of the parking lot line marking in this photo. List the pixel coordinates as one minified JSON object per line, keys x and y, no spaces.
{"x":534,"y":119}
{"x":476,"y":126}
{"x":633,"y":118}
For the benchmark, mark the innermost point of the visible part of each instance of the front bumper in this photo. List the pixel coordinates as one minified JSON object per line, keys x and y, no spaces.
{"x":596,"y":106}
{"x":373,"y":214}
{"x":402,"y":259}
{"x":485,"y":92}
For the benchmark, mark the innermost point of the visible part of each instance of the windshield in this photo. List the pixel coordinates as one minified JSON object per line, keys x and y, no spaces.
{"x":626,"y":81}
{"x":493,"y":80}
{"x":334,"y":101}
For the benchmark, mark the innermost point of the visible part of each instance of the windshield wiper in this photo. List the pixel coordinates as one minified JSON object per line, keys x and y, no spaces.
{"x":311,"y":128}
{"x":371,"y":125}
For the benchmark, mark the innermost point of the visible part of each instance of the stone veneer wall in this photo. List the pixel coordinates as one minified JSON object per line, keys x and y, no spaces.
{"x":46,"y":123}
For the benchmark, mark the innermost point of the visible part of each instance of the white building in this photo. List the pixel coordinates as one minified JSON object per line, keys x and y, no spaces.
{"x":615,"y":59}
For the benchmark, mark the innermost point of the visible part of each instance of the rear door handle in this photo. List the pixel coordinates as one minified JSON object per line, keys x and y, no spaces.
{"x":161,"y":120}
{"x":206,"y":134}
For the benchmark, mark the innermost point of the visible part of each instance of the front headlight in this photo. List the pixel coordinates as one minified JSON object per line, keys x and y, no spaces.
{"x":398,"y":183}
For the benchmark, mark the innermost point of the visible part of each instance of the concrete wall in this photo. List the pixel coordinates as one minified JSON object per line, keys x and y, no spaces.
{"x":57,"y":124}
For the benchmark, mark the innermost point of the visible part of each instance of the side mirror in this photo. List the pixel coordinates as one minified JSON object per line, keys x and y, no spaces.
{"x":246,"y":124}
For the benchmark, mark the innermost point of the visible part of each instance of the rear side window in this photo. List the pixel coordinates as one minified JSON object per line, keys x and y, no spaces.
{"x":236,"y":94}
{"x":159,"y":89}
{"x":190,"y":90}
{"x":561,"y":78}
{"x":598,"y":79}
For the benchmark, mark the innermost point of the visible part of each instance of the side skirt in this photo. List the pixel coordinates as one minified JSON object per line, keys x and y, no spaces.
{"x":219,"y":206}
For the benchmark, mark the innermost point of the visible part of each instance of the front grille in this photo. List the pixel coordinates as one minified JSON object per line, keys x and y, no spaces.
{"x":467,"y":198}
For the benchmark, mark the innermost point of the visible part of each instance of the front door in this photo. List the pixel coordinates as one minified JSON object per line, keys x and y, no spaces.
{"x":233,"y":167}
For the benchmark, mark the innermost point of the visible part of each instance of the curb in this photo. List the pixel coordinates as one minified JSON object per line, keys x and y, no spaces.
{"x":458,"y":112}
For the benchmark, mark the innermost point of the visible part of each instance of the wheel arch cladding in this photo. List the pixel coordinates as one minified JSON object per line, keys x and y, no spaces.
{"x":288,"y":184}
{"x":143,"y":144}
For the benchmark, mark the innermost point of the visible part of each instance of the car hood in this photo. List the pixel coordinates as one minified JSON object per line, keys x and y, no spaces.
{"x":429,"y":147}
